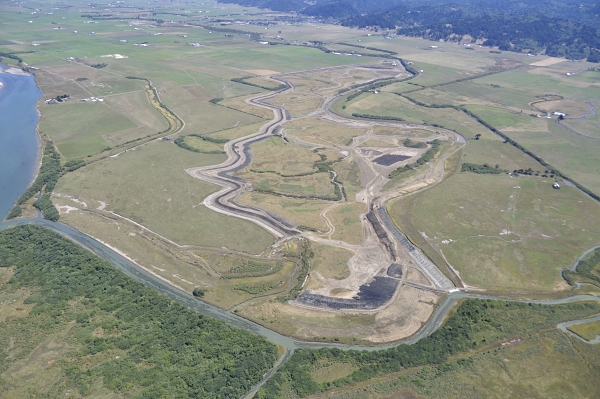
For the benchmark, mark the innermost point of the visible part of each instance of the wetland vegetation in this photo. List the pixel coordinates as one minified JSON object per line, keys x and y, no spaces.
{"x":342,"y":117}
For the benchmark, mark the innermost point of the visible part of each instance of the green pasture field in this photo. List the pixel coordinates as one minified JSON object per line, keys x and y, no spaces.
{"x":236,"y":132}
{"x":149,"y":186}
{"x":137,"y":108}
{"x":240,"y":104}
{"x":588,"y":127}
{"x":346,"y":221}
{"x":573,"y":155}
{"x":507,"y":233}
{"x":434,"y":74}
{"x":387,"y":104}
{"x":302,"y":212}
{"x":81,"y":129}
{"x":587,"y":331}
{"x":203,"y":145}
{"x":55,"y":85}
{"x":494,"y":152}
{"x":519,"y":87}
{"x":400,"y":87}
{"x":439,"y":97}
{"x":502,"y":118}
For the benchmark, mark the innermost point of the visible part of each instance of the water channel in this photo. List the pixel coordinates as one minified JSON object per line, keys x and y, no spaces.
{"x":18,"y":164}
{"x":18,"y":137}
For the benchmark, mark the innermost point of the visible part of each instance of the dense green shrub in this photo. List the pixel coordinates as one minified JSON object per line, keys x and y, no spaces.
{"x":164,"y":348}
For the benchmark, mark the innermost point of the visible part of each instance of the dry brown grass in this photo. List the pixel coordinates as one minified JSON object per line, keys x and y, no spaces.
{"x":240,"y":104}
{"x":346,"y":221}
{"x":330,"y":262}
{"x":322,"y":132}
{"x":301,"y":212}
{"x":297,"y":103}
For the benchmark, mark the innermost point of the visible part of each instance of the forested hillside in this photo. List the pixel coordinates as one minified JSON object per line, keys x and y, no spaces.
{"x":98,"y":330}
{"x":560,"y":29}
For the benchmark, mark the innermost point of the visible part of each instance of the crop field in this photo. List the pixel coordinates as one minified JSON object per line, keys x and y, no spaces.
{"x":514,"y":233}
{"x":149,"y":186}
{"x":587,"y":331}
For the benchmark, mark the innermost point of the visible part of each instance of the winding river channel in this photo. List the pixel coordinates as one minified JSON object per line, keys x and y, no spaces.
{"x":18,"y":160}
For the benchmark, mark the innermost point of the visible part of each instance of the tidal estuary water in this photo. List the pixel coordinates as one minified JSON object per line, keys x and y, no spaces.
{"x":18,"y":138}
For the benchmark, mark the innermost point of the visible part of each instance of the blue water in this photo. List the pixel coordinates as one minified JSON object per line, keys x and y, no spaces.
{"x":18,"y":138}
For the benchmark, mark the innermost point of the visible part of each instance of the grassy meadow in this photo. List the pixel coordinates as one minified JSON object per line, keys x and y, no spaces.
{"x":149,"y":186}
{"x":514,"y":234}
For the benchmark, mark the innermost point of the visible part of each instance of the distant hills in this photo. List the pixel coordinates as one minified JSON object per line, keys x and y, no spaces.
{"x":559,"y":29}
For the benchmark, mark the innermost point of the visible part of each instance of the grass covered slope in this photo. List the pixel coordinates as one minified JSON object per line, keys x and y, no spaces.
{"x":506,"y":233}
{"x":70,"y":323}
